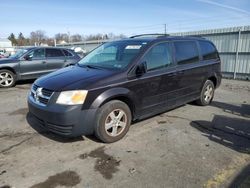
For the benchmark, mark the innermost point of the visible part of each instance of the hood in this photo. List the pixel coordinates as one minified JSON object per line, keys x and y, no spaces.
{"x":7,"y":60}
{"x":71,"y":78}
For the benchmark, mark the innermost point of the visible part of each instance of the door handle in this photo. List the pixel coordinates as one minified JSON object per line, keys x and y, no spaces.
{"x":172,"y":74}
{"x":180,"y":72}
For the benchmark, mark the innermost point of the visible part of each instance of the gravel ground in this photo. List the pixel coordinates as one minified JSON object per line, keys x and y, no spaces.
{"x":190,"y":146}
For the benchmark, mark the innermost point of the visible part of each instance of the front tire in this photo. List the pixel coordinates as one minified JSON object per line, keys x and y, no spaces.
{"x":7,"y":78}
{"x":113,"y":121}
{"x":207,"y":94}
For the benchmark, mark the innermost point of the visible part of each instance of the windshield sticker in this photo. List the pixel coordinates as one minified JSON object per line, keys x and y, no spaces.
{"x":134,"y":47}
{"x":117,"y":66}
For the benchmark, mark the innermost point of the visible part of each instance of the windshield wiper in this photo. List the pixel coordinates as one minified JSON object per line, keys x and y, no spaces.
{"x":90,"y":66}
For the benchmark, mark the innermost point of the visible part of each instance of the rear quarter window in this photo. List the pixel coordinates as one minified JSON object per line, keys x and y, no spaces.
{"x":186,"y":52}
{"x":54,"y":53}
{"x":208,"y":51}
{"x":67,"y":53}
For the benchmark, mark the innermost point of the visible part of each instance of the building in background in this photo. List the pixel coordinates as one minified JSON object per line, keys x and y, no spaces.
{"x":6,"y":47}
{"x":5,"y":43}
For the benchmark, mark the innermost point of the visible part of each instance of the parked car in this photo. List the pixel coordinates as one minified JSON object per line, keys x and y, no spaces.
{"x":33,"y":62}
{"x":2,"y":52}
{"x":4,"y":55}
{"x":79,"y":51}
{"x":123,"y":81}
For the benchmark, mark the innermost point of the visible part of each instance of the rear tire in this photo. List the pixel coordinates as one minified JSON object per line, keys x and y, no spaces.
{"x":112,"y":121}
{"x":207,"y":94}
{"x":7,"y":78}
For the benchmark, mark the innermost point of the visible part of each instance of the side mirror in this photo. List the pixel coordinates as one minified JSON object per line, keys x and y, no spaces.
{"x":27,"y":58}
{"x":141,"y":69}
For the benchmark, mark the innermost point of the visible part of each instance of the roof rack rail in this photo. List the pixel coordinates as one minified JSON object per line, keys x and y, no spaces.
{"x":153,"y":34}
{"x":198,"y":36}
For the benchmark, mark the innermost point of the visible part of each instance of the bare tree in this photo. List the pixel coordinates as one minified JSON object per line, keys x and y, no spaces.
{"x":76,"y":38}
{"x":111,"y":36}
{"x":60,"y":37}
{"x":122,"y":36}
{"x":50,"y":41}
{"x":114,"y":36}
{"x":38,"y":37}
{"x":93,"y":37}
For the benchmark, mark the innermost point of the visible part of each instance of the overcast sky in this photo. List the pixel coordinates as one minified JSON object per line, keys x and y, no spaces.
{"x":120,"y":16}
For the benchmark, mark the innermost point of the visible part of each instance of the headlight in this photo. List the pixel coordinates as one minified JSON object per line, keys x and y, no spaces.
{"x":72,"y":97}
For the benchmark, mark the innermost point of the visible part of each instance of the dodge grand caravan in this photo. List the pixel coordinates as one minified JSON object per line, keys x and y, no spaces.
{"x":123,"y":81}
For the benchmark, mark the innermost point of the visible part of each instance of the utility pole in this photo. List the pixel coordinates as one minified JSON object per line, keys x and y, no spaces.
{"x":165,"y":29}
{"x":237,"y":53}
{"x":69,"y":37}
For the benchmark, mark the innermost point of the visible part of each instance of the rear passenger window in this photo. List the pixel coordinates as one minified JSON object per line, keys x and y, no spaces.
{"x":54,"y":53}
{"x":186,"y":52}
{"x":208,"y":51}
{"x":67,"y":53}
{"x":158,"y":57}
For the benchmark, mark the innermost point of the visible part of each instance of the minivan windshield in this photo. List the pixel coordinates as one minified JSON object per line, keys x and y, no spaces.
{"x":18,"y":54}
{"x":113,"y":55}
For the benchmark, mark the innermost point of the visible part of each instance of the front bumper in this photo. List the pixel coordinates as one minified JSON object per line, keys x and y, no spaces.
{"x":70,"y":121}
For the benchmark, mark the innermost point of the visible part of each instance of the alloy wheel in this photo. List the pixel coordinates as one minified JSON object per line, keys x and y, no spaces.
{"x":208,"y":94}
{"x":115,"y":122}
{"x":6,"y":79}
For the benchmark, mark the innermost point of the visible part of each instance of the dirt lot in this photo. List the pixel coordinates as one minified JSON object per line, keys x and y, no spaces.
{"x":190,"y":146}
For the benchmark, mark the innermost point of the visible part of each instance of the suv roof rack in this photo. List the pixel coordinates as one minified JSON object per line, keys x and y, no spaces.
{"x":153,"y":34}
{"x":198,"y":36}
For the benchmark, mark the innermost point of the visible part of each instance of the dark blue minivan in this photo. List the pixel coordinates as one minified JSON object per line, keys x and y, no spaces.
{"x":123,"y":81}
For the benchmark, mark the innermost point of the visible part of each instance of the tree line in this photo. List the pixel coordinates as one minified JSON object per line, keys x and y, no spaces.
{"x":39,"y":37}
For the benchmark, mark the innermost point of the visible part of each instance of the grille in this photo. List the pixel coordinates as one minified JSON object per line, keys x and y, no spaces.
{"x":34,"y":87}
{"x":42,"y":96}
{"x":47,"y":92}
